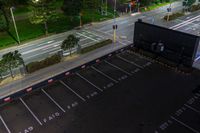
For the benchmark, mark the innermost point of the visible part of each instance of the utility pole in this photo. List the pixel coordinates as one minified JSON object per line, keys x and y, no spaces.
{"x":14,"y":23}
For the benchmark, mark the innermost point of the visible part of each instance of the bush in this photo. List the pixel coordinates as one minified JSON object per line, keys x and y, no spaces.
{"x":174,"y":16}
{"x":34,"y":66}
{"x":194,"y":8}
{"x":95,"y":46}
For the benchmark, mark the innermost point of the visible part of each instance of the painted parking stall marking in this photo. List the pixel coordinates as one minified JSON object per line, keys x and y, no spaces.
{"x":17,"y":118}
{"x":97,"y":78}
{"x":72,"y":90}
{"x":111,"y":71}
{"x":3,"y":126}
{"x":88,"y":81}
{"x":42,"y":106}
{"x":104,"y":74}
{"x":83,"y":88}
{"x":63,"y":96}
{"x":139,"y":60}
{"x":118,"y":68}
{"x":53,"y":100}
{"x":186,"y":117}
{"x":125,"y":65}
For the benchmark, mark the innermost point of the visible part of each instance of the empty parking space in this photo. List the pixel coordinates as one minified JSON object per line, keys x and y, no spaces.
{"x":63,"y":96}
{"x":3,"y":126}
{"x":42,"y":106}
{"x":16,"y":118}
{"x":80,"y":87}
{"x":174,"y":127}
{"x":188,"y":118}
{"x":125,"y":65}
{"x":111,"y":71}
{"x":139,"y":60}
{"x":97,"y":78}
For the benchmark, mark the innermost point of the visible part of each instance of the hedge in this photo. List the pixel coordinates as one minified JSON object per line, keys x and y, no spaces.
{"x":34,"y":66}
{"x":95,"y":46}
{"x":174,"y":16}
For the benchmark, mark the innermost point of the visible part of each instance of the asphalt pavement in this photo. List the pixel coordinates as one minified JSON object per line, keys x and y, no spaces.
{"x":113,"y":95}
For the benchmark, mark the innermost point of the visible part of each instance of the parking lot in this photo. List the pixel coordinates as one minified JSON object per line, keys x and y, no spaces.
{"x":118,"y":94}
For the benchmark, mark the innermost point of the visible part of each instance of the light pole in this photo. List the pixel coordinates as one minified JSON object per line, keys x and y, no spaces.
{"x":115,"y":25}
{"x":106,"y":7}
{"x":14,"y":23}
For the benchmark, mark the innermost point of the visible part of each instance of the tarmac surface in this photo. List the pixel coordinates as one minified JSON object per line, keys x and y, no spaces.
{"x":124,"y":93}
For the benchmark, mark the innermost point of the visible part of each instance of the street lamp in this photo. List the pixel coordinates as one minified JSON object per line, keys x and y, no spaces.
{"x":115,"y":25}
{"x":14,"y":23}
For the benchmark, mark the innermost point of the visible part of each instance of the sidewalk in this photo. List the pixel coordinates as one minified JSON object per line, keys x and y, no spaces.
{"x":51,"y":71}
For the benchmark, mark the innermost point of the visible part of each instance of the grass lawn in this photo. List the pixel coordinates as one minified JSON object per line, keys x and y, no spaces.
{"x":29,"y":31}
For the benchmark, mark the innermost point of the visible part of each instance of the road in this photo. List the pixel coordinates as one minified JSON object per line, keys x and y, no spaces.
{"x":42,"y":48}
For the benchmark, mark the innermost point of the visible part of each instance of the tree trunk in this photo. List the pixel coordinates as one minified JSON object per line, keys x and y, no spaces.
{"x":46,"y":28}
{"x":70,"y":52}
{"x":11,"y":72}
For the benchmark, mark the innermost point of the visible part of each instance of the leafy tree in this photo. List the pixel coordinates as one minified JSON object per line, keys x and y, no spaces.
{"x":10,"y":62}
{"x":70,"y":43}
{"x":43,"y":11}
{"x":2,"y":69}
{"x":72,"y":8}
{"x":19,"y":59}
{"x":93,"y":6}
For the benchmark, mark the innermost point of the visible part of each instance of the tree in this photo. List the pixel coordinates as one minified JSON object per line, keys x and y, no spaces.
{"x":42,"y":11}
{"x":72,"y":8}
{"x":70,"y":43}
{"x":4,"y":18}
{"x":2,"y":69}
{"x":19,"y":59}
{"x":10,"y":62}
{"x":93,"y":6}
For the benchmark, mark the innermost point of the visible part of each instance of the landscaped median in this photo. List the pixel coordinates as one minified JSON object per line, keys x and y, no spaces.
{"x":34,"y":66}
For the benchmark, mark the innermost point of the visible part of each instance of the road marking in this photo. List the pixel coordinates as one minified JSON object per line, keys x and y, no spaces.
{"x":184,"y":22}
{"x":88,"y":81}
{"x":5,"y":125}
{"x":87,"y":37}
{"x":185,"y":125}
{"x":53,"y":100}
{"x":94,"y":34}
{"x":31,"y":111}
{"x":131,"y":62}
{"x":195,"y":110}
{"x":118,"y":68}
{"x":104,"y":74}
{"x":72,"y":90}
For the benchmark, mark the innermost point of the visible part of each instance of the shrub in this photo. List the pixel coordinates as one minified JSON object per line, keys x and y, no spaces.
{"x":194,"y":8}
{"x":95,"y":46}
{"x":34,"y":66}
{"x":174,"y":16}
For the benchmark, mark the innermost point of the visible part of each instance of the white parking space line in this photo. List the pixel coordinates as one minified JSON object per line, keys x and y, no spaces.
{"x":5,"y":125}
{"x":185,"y":125}
{"x":72,"y":90}
{"x":195,"y":110}
{"x":87,"y":37}
{"x":31,"y":111}
{"x":128,"y":61}
{"x":104,"y":74}
{"x":118,"y":68}
{"x":53,"y":100}
{"x":88,"y":81}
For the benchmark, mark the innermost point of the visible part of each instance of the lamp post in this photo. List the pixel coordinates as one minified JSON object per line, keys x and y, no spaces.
{"x":14,"y":23}
{"x":115,"y":25}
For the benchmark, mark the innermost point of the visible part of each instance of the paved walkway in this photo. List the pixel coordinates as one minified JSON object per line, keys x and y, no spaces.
{"x":51,"y":71}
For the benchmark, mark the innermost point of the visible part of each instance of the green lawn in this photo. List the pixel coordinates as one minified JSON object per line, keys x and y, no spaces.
{"x":28,"y":31}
